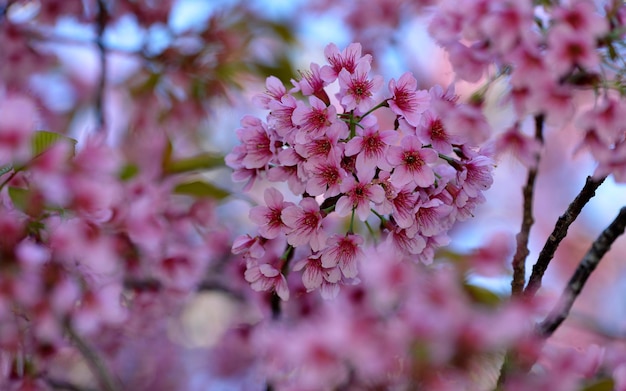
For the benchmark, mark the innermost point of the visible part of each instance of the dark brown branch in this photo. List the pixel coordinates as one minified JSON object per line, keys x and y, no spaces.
{"x":588,"y":264}
{"x":101,"y":21}
{"x":560,"y":231}
{"x":521,"y":252}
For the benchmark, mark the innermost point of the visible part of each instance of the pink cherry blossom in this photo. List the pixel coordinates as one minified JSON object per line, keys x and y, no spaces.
{"x":357,"y":90}
{"x":347,"y":59}
{"x":265,"y":277}
{"x":406,"y":100}
{"x":343,"y":251}
{"x":326,"y":178}
{"x":370,"y":147}
{"x":568,"y":48}
{"x":523,"y":147}
{"x":305,"y":224}
{"x":432,"y":131}
{"x":357,"y":196}
{"x":410,"y":162}
{"x":314,"y":120}
{"x":315,"y":274}
{"x":269,"y":217}
{"x":326,"y":147}
{"x":275,"y":91}
{"x":312,"y":83}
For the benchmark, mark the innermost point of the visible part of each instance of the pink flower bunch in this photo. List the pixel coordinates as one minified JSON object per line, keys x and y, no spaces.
{"x":83,"y":240}
{"x":415,"y":179}
{"x":550,"y":55}
{"x":406,"y":326}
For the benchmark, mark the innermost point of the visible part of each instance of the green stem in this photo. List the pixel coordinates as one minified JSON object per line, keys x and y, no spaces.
{"x":378,"y":106}
{"x":351,"y":229}
{"x":381,"y":217}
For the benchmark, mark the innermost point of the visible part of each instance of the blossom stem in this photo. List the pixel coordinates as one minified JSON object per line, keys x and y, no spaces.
{"x":450,"y":161}
{"x":381,"y":217}
{"x":370,"y":230}
{"x":351,"y":229}
{"x":378,"y":106}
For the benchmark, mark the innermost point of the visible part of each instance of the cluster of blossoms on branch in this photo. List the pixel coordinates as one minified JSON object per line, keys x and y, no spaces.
{"x":416,"y":178}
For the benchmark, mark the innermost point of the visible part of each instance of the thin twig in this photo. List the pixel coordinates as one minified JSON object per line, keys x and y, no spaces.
{"x":102,"y":19}
{"x":99,"y":369}
{"x":559,"y":233}
{"x":521,"y":252}
{"x":58,"y":384}
{"x":588,"y":264}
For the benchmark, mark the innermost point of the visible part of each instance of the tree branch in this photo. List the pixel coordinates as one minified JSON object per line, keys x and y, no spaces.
{"x":558,"y":234}
{"x":97,"y":366}
{"x":101,"y":21}
{"x":58,"y":384}
{"x":521,"y":252}
{"x":588,"y":264}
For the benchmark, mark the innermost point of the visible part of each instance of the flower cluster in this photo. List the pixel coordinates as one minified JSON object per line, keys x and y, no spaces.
{"x":415,"y":177}
{"x":550,"y":56}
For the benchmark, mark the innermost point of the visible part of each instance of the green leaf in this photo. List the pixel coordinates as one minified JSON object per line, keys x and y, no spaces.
{"x":201,"y":189}
{"x":482,"y":295}
{"x":202,"y":161}
{"x":606,"y":384}
{"x":43,"y":140}
{"x":128,"y":172}
{"x":19,"y":197}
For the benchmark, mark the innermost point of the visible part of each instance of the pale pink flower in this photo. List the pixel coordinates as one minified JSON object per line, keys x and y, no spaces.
{"x":431,"y":131}
{"x":275,"y":91}
{"x":477,"y":175}
{"x":268,"y":217}
{"x":99,"y":306}
{"x":431,"y":218}
{"x":251,"y":246}
{"x":343,"y":251}
{"x":357,"y":90}
{"x":492,"y":258}
{"x":258,"y":144}
{"x":370,"y":147}
{"x":470,"y":63}
{"x":358,"y":195}
{"x":406,"y":100}
{"x":523,"y":147}
{"x":305,"y":224}
{"x":312,"y":83}
{"x":347,"y":59}
{"x":181,"y":267}
{"x":265,"y":277}
{"x":326,"y":178}
{"x":403,"y":206}
{"x":315,"y":274}
{"x":326,"y":147}
{"x":468,"y":123}
{"x":568,"y":48}
{"x":581,"y":16}
{"x":507,"y":23}
{"x":406,"y":243}
{"x":17,"y":124}
{"x":410,"y":162}
{"x":280,"y":117}
{"x":313,"y":120}
{"x":607,"y":119}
